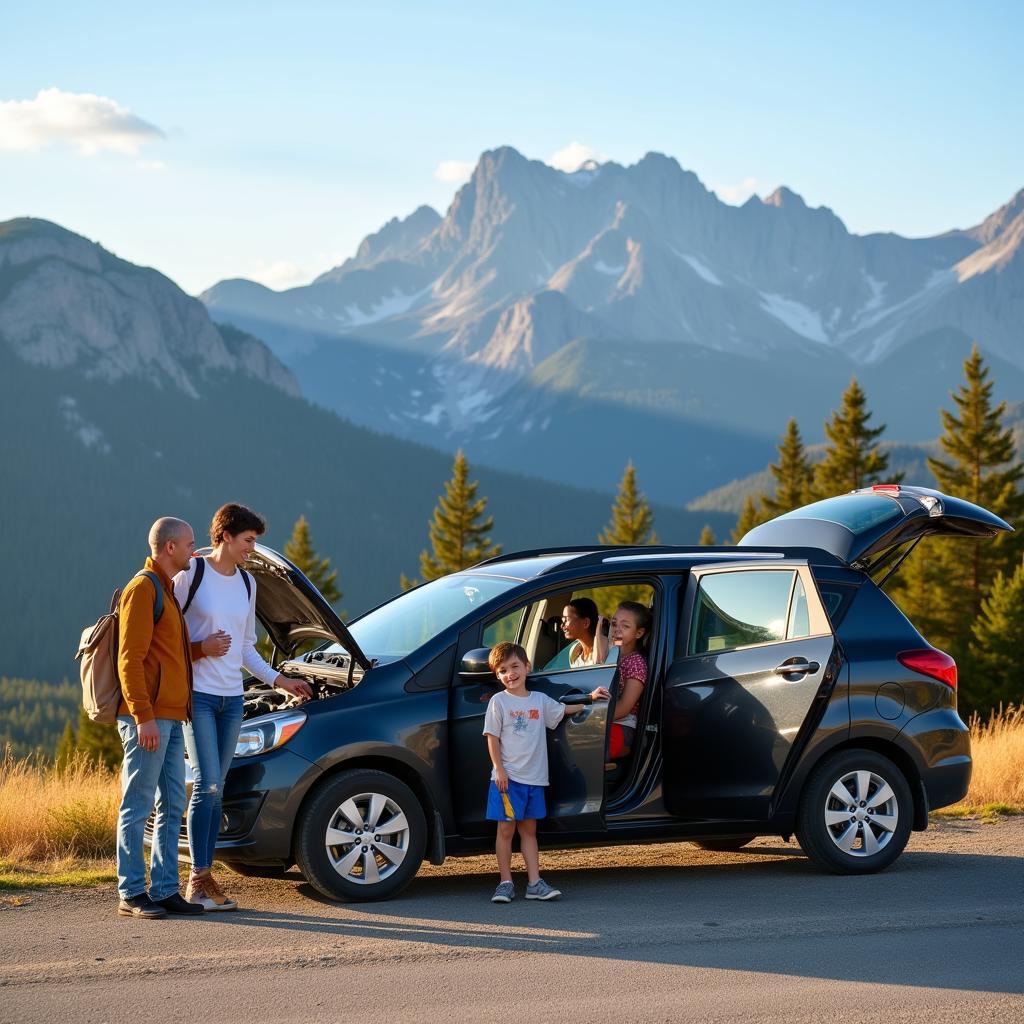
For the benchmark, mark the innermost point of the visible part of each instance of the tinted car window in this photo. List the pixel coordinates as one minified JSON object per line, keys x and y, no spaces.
{"x":505,"y":628}
{"x":739,"y":608}
{"x":799,"y":616}
{"x":857,"y":512}
{"x":836,"y":598}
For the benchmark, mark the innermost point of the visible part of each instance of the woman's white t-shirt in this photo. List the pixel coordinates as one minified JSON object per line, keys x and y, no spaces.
{"x":222,"y":602}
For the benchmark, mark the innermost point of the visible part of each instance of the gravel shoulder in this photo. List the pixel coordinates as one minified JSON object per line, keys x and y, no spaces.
{"x":655,"y":932}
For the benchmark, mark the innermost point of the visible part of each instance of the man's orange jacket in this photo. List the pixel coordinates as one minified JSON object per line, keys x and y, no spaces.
{"x":154,"y":661}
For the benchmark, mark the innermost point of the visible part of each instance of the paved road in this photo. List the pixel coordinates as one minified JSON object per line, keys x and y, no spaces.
{"x":655,"y":934}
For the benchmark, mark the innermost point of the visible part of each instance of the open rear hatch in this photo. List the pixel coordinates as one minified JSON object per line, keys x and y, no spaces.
{"x":876,"y":525}
{"x":292,"y":610}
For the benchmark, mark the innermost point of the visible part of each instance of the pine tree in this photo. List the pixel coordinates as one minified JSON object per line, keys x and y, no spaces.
{"x":316,"y":569}
{"x":751,"y":516}
{"x":996,"y":663}
{"x":100,"y":742}
{"x":707,"y":537}
{"x":458,"y":533}
{"x":65,"y":748}
{"x":853,"y":459}
{"x":632,"y":521}
{"x":793,"y":475}
{"x":947,"y":578}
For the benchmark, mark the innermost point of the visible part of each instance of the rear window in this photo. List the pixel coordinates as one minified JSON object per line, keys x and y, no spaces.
{"x":737,"y":609}
{"x":857,"y":512}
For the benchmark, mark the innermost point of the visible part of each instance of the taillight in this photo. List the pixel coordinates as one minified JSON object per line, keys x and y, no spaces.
{"x":930,"y":662}
{"x":893,"y":488}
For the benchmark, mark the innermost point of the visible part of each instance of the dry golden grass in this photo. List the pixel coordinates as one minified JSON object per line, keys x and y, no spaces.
{"x":997,"y":747}
{"x":51,"y":815}
{"x":58,"y":827}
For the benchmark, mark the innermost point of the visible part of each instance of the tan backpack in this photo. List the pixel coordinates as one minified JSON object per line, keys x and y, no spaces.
{"x":97,"y":652}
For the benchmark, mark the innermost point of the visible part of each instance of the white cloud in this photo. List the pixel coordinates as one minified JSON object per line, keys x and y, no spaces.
{"x":280,"y":274}
{"x":736,"y":194}
{"x":89,"y":123}
{"x":573,"y":156}
{"x":454,"y":171}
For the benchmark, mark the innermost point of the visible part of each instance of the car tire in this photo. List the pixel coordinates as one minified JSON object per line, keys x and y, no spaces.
{"x":726,"y":844}
{"x":855,"y":813}
{"x":344,"y":861}
{"x":255,"y":870}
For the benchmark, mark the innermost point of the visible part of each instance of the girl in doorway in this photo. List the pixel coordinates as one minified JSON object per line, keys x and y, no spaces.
{"x":630,"y":632}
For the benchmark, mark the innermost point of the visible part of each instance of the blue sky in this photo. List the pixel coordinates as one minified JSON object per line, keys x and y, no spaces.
{"x":265,"y":141}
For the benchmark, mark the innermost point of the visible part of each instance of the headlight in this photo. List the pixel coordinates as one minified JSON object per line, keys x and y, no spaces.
{"x":268,"y":732}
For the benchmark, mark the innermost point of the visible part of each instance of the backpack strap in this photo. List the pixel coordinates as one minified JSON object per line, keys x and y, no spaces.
{"x":247,"y":582}
{"x":158,"y":603}
{"x":194,"y":585}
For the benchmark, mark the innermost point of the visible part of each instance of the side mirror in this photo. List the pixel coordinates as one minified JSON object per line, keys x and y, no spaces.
{"x":474,"y":663}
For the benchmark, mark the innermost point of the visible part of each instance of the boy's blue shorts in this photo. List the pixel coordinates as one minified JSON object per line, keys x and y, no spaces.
{"x":526,"y":802}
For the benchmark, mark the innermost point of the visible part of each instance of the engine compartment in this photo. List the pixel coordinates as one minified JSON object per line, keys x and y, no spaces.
{"x":329,"y":673}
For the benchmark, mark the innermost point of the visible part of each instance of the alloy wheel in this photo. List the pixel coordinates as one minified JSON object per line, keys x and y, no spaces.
{"x":367,"y":838}
{"x":861,"y":813}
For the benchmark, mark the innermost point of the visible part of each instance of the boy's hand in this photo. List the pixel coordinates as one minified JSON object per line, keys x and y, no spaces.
{"x":601,"y":693}
{"x":501,"y":780}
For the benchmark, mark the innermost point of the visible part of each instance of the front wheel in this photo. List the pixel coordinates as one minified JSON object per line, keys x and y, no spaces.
{"x":855,"y":813}
{"x":361,"y":837}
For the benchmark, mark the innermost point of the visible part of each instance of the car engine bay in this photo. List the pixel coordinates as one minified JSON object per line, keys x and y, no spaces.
{"x":328,"y":673}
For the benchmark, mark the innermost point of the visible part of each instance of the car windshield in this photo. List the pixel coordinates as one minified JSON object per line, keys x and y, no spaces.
{"x":857,"y":512}
{"x":411,"y":619}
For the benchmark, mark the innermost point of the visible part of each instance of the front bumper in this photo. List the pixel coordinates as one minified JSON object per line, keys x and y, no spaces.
{"x":262,"y":796}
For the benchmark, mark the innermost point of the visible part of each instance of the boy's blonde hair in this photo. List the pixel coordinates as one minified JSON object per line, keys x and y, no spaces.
{"x":505,"y":650}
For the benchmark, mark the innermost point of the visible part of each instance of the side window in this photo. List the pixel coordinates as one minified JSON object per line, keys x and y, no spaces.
{"x":505,"y":628}
{"x":836,"y":598}
{"x":735,"y":609}
{"x":799,"y":616}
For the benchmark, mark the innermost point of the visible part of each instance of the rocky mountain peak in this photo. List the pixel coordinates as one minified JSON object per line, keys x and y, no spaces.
{"x":66,"y":302}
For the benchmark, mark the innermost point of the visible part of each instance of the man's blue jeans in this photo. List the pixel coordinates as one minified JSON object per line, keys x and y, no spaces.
{"x":150,"y":778}
{"x":211,"y":737}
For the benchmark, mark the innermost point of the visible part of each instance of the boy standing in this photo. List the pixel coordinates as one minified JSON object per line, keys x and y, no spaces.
{"x":516,"y":725}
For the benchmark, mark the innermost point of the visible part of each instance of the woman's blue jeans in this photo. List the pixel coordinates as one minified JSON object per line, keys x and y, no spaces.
{"x":210,"y":739}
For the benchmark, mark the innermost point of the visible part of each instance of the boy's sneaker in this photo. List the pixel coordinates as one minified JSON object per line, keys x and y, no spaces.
{"x":202,"y":889}
{"x":505,"y":893}
{"x":140,"y":906}
{"x":540,"y":890}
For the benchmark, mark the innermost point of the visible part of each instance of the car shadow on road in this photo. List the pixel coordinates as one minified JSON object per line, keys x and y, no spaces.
{"x":913,"y":924}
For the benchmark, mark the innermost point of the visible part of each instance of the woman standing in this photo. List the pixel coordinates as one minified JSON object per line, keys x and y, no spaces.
{"x":221,"y":608}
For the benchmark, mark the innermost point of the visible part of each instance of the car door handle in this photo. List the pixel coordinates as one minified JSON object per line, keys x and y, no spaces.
{"x":797,"y":665}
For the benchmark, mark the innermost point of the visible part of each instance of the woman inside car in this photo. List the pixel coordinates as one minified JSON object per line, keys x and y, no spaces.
{"x":586,"y":628}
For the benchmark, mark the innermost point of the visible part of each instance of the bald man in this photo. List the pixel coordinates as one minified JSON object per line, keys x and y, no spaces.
{"x":155,"y":666}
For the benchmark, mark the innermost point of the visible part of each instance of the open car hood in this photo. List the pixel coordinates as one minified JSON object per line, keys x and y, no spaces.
{"x":865,"y":527}
{"x":292,"y":610}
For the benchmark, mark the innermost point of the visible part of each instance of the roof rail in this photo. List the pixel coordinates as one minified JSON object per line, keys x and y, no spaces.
{"x":586,"y":554}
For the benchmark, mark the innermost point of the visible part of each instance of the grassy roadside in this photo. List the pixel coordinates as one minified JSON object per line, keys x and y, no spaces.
{"x":58,"y":827}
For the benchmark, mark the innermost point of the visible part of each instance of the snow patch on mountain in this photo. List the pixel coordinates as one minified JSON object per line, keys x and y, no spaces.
{"x":395,"y":304}
{"x":795,"y":315}
{"x":702,"y":270}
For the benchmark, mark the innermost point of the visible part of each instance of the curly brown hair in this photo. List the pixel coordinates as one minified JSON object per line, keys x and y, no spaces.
{"x":234,"y":519}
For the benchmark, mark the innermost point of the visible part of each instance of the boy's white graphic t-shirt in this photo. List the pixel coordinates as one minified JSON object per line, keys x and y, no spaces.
{"x":521,"y":724}
{"x":221,"y":602}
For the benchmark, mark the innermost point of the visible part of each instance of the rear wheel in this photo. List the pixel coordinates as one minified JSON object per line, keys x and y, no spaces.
{"x":361,"y":837}
{"x":855,"y":813}
{"x":725,"y":844}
